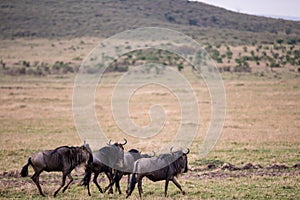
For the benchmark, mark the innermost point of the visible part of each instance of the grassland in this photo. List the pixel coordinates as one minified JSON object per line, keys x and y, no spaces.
{"x":261,"y":127}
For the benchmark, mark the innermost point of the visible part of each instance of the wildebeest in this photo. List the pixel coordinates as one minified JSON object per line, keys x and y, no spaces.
{"x":129,"y":158}
{"x":64,"y":159}
{"x":164,"y":167}
{"x":104,"y":160}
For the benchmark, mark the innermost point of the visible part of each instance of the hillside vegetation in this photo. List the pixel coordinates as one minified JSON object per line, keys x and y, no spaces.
{"x":103,"y":18}
{"x":236,"y":42}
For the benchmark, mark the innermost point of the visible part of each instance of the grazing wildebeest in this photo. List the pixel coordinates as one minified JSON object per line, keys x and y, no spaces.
{"x":64,"y":159}
{"x":104,"y":160}
{"x":164,"y":167}
{"x":129,"y":158}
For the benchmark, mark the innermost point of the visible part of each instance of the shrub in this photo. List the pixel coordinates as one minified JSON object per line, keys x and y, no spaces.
{"x":215,"y":54}
{"x":279,"y":41}
{"x":169,"y":17}
{"x":180,"y":66}
{"x":229,"y":54}
{"x":193,"y":22}
{"x":242,"y":65}
{"x":26,"y":63}
{"x":292,"y":41}
{"x":258,"y":48}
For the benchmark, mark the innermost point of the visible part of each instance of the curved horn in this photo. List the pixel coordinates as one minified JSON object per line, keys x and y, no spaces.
{"x":171,"y":149}
{"x":125,"y":142}
{"x":153,"y":153}
{"x":109,"y":143}
{"x":188,"y":151}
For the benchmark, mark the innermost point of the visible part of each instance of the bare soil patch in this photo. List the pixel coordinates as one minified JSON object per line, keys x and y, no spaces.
{"x":228,"y":170}
{"x":12,"y":178}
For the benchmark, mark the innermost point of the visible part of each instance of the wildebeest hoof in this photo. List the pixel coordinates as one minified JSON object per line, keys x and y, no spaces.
{"x":55,"y":193}
{"x":110,"y":192}
{"x":183,"y":192}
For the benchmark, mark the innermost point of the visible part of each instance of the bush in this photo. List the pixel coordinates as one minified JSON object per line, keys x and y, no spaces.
{"x":279,"y":41}
{"x":180,"y":66}
{"x":292,"y":41}
{"x":215,"y":54}
{"x":193,"y":22}
{"x":229,"y":54}
{"x":242,"y":65}
{"x":26,"y":63}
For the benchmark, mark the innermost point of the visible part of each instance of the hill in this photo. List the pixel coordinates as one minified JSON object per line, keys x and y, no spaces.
{"x":75,"y":18}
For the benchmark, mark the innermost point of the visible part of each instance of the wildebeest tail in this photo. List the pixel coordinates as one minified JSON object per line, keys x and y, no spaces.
{"x":132,"y":182}
{"x":24,"y":171}
{"x":131,"y":185}
{"x":87,"y":177}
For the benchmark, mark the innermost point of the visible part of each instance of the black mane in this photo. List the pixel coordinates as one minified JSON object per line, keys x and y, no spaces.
{"x":133,"y":151}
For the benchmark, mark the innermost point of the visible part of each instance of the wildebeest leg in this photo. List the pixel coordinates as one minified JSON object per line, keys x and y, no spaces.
{"x":178,"y":185}
{"x":166,"y":186}
{"x":86,"y":179}
{"x":128,"y":183}
{"x":128,"y":180}
{"x":62,"y":183}
{"x":35,"y":178}
{"x":142,"y":191}
{"x":131,"y":186}
{"x":95,"y":181}
{"x":111,"y":182}
{"x":140,"y":183}
{"x":109,"y":187}
{"x":71,"y":180}
{"x":88,"y":188}
{"x":118,"y":178}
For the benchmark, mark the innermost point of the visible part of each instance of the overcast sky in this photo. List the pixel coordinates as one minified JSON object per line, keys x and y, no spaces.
{"x":283,"y":8}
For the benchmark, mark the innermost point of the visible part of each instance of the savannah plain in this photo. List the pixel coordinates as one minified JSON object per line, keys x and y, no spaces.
{"x":256,"y":156}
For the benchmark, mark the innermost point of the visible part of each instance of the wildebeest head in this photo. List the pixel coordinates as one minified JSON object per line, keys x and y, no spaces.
{"x":86,"y":153}
{"x":112,"y":155}
{"x":181,"y":159}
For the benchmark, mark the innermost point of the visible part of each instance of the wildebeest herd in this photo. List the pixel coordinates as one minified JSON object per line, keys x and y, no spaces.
{"x":111,"y":160}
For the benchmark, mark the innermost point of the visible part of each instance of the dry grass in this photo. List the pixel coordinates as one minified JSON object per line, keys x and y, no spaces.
{"x":262,"y":126}
{"x":46,"y":50}
{"x":262,"y":121}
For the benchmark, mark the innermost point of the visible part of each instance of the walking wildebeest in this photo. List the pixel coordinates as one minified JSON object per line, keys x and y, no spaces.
{"x":129,"y":158}
{"x":104,"y":160}
{"x":163,"y":167}
{"x":63,"y":159}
